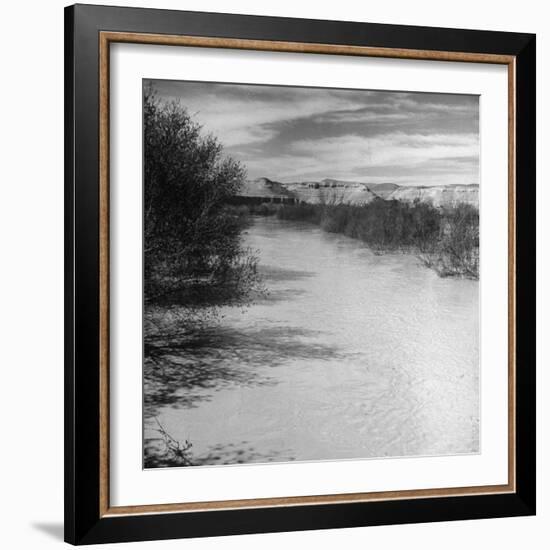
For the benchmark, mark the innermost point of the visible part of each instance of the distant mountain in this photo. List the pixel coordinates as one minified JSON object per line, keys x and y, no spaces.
{"x":332,"y":190}
{"x":264,"y":187}
{"x":383,"y":189}
{"x":330,"y":182}
{"x":438,"y":195}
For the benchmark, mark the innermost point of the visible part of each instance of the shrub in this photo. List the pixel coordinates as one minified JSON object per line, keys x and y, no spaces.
{"x":447,"y":240}
{"x":192,"y":237}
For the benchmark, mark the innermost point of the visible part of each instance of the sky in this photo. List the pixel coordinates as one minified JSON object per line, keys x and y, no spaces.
{"x":290,"y":134}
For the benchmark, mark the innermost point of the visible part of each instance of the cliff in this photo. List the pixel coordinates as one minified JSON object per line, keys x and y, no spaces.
{"x":439,"y":195}
{"x":333,"y":191}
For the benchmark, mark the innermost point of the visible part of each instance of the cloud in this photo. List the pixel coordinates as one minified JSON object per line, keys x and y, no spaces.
{"x":242,"y":116}
{"x":390,"y":148}
{"x":398,"y":157}
{"x":292,"y":133}
{"x":362,"y":115}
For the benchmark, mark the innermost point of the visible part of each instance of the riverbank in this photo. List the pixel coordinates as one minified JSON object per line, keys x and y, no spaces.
{"x":444,"y":239}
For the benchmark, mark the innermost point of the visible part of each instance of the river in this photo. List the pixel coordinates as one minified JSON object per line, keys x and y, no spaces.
{"x":349,"y":355}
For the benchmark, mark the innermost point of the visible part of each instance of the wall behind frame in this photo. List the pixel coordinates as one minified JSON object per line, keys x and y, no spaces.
{"x":31,"y":279}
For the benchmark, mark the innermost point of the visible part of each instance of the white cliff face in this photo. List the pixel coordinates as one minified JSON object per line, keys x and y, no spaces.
{"x":438,"y":196}
{"x":331,"y":191}
{"x":264,"y":187}
{"x":383,"y":190}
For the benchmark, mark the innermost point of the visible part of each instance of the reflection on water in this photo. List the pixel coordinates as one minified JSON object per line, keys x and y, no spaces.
{"x":349,"y":355}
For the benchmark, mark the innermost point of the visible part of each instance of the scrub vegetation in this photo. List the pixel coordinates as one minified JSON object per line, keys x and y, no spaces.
{"x":445,"y":239}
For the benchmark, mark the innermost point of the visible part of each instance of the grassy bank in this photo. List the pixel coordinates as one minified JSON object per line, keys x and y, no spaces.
{"x":444,"y":239}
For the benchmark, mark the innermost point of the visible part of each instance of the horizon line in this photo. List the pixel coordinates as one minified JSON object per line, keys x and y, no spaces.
{"x":311,"y":180}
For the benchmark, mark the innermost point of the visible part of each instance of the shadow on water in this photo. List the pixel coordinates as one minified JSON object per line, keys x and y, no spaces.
{"x":178,"y":371}
{"x":217,"y":455}
{"x":275,"y":295}
{"x":277,"y":275}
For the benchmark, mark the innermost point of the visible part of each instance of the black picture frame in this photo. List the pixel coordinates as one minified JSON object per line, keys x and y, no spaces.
{"x":84,"y":523}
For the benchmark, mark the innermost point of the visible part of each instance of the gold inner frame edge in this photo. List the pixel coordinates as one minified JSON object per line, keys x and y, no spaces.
{"x":105,"y":39}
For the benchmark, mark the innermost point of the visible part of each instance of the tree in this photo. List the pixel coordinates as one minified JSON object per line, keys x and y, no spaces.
{"x":192,"y":253}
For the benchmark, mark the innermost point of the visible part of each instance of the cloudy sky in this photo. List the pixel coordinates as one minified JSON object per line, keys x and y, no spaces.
{"x":296,"y":134}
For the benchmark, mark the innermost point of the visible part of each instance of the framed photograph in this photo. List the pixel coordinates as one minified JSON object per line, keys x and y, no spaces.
{"x":300,"y":274}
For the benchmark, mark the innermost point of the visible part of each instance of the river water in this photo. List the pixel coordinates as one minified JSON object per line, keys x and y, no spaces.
{"x":349,"y":355}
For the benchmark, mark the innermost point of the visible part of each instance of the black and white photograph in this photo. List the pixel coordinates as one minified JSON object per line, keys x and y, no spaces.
{"x":275,"y":275}
{"x":311,"y":266}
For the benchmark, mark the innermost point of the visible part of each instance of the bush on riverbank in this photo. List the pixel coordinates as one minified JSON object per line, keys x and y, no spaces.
{"x":446,"y":240}
{"x":193,"y":253}
{"x":261,"y":209}
{"x":456,"y":252}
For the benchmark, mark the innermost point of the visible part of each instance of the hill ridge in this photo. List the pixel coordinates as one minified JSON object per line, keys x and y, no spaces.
{"x":358,"y":192}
